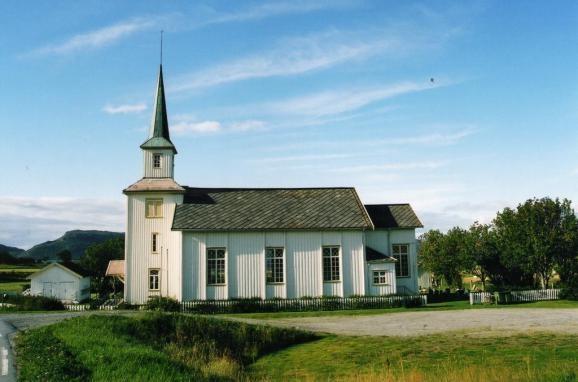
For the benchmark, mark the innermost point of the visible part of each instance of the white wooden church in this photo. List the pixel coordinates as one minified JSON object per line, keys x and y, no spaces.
{"x":221,"y":243}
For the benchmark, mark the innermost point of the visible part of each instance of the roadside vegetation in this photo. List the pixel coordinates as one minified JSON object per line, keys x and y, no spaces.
{"x":176,"y":347}
{"x":157,"y":347}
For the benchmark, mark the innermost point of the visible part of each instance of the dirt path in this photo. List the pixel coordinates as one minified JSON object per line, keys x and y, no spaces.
{"x":476,"y":322}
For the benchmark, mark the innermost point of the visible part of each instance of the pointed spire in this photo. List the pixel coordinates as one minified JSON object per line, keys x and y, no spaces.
{"x":159,"y":137}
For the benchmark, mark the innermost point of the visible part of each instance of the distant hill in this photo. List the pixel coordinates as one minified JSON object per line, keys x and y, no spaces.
{"x":74,"y":241}
{"x":11,"y":250}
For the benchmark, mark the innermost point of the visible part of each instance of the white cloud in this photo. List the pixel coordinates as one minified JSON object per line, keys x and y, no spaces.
{"x":272,"y":9}
{"x":189,"y":127}
{"x":296,"y":158}
{"x":345,"y":100}
{"x":248,"y":125}
{"x":400,"y":166}
{"x":186,"y":124}
{"x":25,"y":222}
{"x":124,"y":109}
{"x":292,"y":57}
{"x":97,"y":38}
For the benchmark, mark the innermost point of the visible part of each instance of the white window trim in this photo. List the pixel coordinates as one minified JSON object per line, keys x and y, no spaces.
{"x":160,"y":156}
{"x":283,"y":258}
{"x":155,"y":243}
{"x":373,"y":277}
{"x":207,"y":265}
{"x":339,"y":256}
{"x":408,"y":265}
{"x":153,"y":200}
{"x":158,"y":279}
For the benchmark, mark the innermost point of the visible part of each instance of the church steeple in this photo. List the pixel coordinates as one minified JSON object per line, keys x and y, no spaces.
{"x":159,"y":137}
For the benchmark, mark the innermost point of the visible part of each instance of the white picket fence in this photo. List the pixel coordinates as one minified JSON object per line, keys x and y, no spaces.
{"x":481,"y":298}
{"x":517,"y":296}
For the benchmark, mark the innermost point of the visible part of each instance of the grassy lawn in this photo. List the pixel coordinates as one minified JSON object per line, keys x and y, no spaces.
{"x":13,"y":277}
{"x":451,"y":357}
{"x":155,"y":347}
{"x":453,"y":305}
{"x":148,"y":347}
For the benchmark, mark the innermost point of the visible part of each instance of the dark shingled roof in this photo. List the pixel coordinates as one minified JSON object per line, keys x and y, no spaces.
{"x":244,"y":209}
{"x":393,"y":216}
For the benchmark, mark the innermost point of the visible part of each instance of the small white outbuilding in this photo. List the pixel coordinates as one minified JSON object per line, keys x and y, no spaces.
{"x":66,"y":283}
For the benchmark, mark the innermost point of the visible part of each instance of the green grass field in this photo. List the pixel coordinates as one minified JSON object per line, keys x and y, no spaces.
{"x":450,"y":357}
{"x":453,"y":305}
{"x":192,"y":348}
{"x":13,"y":278}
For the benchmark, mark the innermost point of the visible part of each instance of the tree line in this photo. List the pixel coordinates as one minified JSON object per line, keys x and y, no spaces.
{"x":522,"y":247}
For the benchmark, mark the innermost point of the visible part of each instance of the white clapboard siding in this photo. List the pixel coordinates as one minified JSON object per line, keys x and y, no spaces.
{"x":139,"y":257}
{"x":246,"y":264}
{"x":166,"y":169}
{"x":381,"y":289}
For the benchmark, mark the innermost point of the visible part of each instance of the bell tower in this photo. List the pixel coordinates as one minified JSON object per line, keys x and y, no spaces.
{"x":158,"y":150}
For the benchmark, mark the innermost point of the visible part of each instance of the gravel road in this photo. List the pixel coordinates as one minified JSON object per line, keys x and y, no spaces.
{"x":482,"y":322}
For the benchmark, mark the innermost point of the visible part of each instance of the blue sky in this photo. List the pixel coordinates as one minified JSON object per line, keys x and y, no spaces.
{"x":459,"y":108}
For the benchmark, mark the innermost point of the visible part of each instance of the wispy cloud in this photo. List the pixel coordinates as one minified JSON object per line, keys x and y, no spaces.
{"x":273,"y":9}
{"x":345,"y":100}
{"x":124,"y":109}
{"x":189,"y":125}
{"x":297,"y":158}
{"x":399,"y":166}
{"x":28,"y":221}
{"x":291,"y":57}
{"x":97,"y":38}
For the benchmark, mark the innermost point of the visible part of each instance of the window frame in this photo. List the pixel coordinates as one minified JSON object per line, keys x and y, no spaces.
{"x":158,"y":279}
{"x":160,"y":160}
{"x":274,"y":262}
{"x":379,"y":276}
{"x":158,"y":208}
{"x":400,"y":261}
{"x":334,"y":262}
{"x":216,"y":261}
{"x":155,"y":243}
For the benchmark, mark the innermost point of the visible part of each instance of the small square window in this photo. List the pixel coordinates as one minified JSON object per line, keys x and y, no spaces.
{"x":157,"y":160}
{"x":380,"y":277}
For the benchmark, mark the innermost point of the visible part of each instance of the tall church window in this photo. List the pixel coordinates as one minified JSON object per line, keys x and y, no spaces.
{"x":274,"y":265}
{"x":401,"y":254}
{"x":157,"y":160}
{"x":216,"y":267}
{"x":155,"y":243}
{"x":331,"y":264}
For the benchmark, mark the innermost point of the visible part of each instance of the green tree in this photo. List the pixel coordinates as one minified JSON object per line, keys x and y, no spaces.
{"x":443,"y":254}
{"x":536,"y":236}
{"x":481,"y":255}
{"x":96,"y":259}
{"x":64,"y":256}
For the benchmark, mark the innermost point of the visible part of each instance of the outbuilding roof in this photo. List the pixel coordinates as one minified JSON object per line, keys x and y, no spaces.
{"x":246,"y":209}
{"x":72,"y":268}
{"x":374,"y":255}
{"x":393,"y":216}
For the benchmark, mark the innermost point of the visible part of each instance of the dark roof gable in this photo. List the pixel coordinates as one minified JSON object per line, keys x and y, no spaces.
{"x":251,"y":209}
{"x":393,"y":216}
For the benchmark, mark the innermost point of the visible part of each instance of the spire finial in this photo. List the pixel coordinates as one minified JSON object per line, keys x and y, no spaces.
{"x":161,"y":46}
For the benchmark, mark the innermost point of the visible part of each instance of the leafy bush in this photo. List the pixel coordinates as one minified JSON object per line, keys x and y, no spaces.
{"x":27,"y":303}
{"x":446,"y":295}
{"x":163,"y":304}
{"x":569,"y":294}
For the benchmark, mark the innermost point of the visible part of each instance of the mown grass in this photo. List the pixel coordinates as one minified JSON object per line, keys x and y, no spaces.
{"x":150,"y":347}
{"x":452,"y":305}
{"x":450,"y":357}
{"x":13,"y":278}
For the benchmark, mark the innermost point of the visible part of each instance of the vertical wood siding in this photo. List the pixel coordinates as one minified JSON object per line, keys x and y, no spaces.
{"x":138,"y":250}
{"x":246,"y":264}
{"x":167,"y":160}
{"x":381,"y":290}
